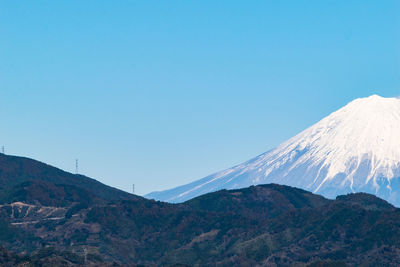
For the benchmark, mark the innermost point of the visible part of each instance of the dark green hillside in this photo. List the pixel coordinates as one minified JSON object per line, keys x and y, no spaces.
{"x":49,"y":194}
{"x":47,"y":257}
{"x":16,"y":170}
{"x":52,"y":218}
{"x":367,"y":201}
{"x":263,"y":201}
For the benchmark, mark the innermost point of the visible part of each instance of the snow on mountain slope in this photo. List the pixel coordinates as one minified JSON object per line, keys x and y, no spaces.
{"x":355,"y":149}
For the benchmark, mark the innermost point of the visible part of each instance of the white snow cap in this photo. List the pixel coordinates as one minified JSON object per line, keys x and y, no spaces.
{"x":356,"y":148}
{"x":366,"y":127}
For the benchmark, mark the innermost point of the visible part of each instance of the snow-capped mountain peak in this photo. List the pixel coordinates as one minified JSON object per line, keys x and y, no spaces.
{"x":365,"y":128}
{"x":356,"y":148}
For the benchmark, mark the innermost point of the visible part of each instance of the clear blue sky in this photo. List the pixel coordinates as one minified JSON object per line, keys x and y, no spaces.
{"x":160,"y":93}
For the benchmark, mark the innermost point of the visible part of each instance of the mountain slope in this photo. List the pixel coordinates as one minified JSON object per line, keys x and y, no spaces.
{"x":257,"y":202}
{"x":14,"y":171}
{"x":54,"y":224}
{"x":355,"y":149}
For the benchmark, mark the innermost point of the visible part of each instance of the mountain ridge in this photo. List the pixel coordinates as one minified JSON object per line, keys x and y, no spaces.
{"x":15,"y":170}
{"x":48,"y":222}
{"x":354,"y":149}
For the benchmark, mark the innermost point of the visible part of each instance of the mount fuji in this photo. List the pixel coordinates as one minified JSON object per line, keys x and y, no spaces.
{"x":355,"y":149}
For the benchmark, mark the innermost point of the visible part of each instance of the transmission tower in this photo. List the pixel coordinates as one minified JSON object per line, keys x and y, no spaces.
{"x":2,"y":149}
{"x":76,"y":166}
{"x":133,"y":189}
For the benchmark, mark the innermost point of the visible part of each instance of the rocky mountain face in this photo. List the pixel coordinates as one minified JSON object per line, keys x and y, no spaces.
{"x":47,"y":223}
{"x":355,"y":149}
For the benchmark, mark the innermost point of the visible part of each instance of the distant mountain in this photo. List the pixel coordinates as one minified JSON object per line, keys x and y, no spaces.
{"x":355,"y":149}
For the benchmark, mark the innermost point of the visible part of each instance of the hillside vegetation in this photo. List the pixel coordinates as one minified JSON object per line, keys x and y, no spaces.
{"x":52,"y":218}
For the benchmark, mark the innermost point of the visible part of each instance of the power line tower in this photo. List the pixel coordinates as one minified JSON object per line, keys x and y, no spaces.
{"x":76,"y":166}
{"x":133,"y":189}
{"x":2,"y":149}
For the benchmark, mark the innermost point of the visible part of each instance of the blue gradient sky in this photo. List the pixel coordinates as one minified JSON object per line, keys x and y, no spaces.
{"x":160,"y":93}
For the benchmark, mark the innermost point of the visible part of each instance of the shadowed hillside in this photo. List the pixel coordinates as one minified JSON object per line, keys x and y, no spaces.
{"x":49,"y":217}
{"x":16,"y":170}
